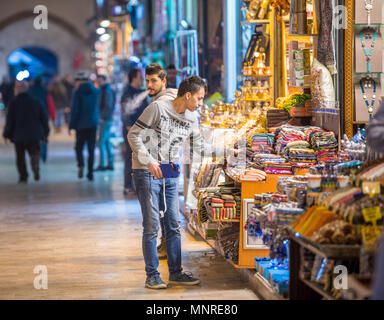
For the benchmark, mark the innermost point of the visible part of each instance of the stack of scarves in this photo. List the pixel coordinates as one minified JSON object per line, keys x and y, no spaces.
{"x":277,"y":165}
{"x":325,"y":145}
{"x":286,"y":135}
{"x":262,"y":142}
{"x":300,"y":155}
{"x":225,"y":204}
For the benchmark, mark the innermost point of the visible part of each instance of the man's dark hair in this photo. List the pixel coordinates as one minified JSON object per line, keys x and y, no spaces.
{"x":191,"y":84}
{"x":171,"y":67}
{"x":155,"y":69}
{"x":132,"y":74}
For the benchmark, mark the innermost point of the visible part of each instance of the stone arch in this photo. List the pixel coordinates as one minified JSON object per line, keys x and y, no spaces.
{"x":52,"y":18}
{"x":59,"y":38}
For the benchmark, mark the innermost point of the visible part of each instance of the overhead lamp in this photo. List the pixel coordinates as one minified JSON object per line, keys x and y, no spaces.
{"x":100,"y":31}
{"x":104,"y":37}
{"x":105,"y":23}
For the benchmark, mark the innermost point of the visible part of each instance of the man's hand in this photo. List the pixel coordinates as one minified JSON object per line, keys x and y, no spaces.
{"x":69,"y":132}
{"x":154,"y":169}
{"x":128,"y":127}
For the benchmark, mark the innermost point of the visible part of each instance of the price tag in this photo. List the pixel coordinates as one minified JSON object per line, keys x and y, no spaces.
{"x":372,"y":214}
{"x":371,"y":187}
{"x":370,"y":234}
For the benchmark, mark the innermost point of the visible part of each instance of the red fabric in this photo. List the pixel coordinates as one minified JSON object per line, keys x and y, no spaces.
{"x":51,"y":107}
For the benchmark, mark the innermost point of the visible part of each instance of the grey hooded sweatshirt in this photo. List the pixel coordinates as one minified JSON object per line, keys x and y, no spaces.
{"x":160,"y":132}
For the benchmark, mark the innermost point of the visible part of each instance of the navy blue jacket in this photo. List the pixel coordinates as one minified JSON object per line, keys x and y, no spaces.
{"x":26,"y":121}
{"x":130,"y":111}
{"x":107,"y":102}
{"x":85,"y":107}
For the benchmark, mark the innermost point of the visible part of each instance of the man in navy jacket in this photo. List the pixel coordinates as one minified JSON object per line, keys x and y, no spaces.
{"x":26,"y":126}
{"x":84,"y":120}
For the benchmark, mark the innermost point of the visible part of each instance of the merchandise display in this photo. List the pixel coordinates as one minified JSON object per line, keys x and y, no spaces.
{"x":297,"y":199}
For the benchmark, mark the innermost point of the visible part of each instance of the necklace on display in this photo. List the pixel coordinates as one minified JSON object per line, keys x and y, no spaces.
{"x":369,"y":7}
{"x":368,"y":55}
{"x":365,"y":97}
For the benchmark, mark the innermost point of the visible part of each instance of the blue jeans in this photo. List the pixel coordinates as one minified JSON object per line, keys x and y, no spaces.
{"x":105,"y":143}
{"x":151,"y":197}
{"x":60,"y":114}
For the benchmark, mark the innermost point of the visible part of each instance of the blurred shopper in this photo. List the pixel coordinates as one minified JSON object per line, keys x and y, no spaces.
{"x":7,"y":92}
{"x":172,"y":121}
{"x":156,"y":83}
{"x":171,"y":76}
{"x":26,"y":126}
{"x":84,"y":119}
{"x":40,"y":93}
{"x":133,"y":102}
{"x":59,"y":95}
{"x":107,"y":103}
{"x":69,"y":86}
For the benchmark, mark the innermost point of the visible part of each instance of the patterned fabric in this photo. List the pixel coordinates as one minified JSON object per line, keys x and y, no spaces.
{"x":326,"y":48}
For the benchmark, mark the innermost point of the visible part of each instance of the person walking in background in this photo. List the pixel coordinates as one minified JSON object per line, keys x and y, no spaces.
{"x":60,"y":99}
{"x":67,"y":82}
{"x":133,"y":102}
{"x":7,"y":92}
{"x":40,"y":93}
{"x":26,"y":125}
{"x":84,"y":118}
{"x":107,"y":103}
{"x":171,"y":76}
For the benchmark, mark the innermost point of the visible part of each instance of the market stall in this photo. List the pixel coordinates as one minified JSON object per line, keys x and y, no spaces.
{"x":299,"y":199}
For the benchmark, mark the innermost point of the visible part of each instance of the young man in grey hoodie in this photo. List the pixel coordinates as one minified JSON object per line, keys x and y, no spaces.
{"x":156,"y":84}
{"x":155,"y":138}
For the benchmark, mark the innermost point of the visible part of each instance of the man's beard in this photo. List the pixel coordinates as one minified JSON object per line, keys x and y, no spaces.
{"x":154,"y":94}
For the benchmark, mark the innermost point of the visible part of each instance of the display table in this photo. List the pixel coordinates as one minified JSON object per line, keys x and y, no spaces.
{"x":248,"y":190}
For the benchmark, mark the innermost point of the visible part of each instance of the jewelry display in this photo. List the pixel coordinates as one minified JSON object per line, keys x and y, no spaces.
{"x":369,"y":7}
{"x":368,"y":55}
{"x":368,"y":83}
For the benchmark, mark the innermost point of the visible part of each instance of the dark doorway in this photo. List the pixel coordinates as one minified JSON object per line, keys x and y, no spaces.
{"x":31,"y":63}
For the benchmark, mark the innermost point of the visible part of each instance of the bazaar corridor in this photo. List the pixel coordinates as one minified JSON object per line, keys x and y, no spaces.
{"x":88,"y":236}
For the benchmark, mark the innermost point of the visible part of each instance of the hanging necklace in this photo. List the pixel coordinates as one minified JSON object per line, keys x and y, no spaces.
{"x":369,"y":105}
{"x":369,"y":7}
{"x":368,"y":55}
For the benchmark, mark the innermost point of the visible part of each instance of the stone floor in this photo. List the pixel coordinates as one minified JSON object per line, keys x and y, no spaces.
{"x":88,"y":236}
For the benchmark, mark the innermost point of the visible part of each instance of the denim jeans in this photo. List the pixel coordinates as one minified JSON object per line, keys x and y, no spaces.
{"x":151,"y":197}
{"x":105,"y":143}
{"x":60,"y":114}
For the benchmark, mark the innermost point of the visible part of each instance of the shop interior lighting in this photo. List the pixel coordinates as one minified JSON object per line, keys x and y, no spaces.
{"x":105,"y":23}
{"x":104,"y":37}
{"x":22,"y":75}
{"x":100,"y":31}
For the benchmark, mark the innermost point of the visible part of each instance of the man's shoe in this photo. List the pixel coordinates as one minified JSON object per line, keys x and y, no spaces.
{"x":90,"y":176}
{"x":81,"y":172}
{"x":100,"y":168}
{"x":183,"y":278}
{"x":155,"y":282}
{"x":22,"y":181}
{"x":110,"y":168}
{"x":162,"y":249}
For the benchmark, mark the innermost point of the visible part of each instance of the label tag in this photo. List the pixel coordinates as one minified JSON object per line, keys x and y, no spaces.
{"x":372,"y":214}
{"x":370,"y":234}
{"x":371,"y":187}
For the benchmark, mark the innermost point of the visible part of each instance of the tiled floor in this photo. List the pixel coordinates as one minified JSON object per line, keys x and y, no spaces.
{"x":89,"y":238}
